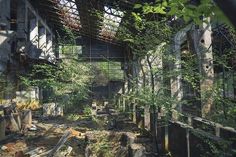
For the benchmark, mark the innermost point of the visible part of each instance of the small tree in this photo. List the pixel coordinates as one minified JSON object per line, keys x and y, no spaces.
{"x":69,"y":79}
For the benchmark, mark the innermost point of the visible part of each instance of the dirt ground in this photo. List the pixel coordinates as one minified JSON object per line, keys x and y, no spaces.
{"x":50,"y":130}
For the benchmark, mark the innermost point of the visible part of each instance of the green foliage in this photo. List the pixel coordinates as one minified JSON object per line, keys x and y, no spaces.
{"x":149,"y":30}
{"x":69,"y":78}
{"x":102,"y":147}
{"x":184,"y":9}
{"x":73,"y":117}
{"x":139,"y":40}
{"x":210,"y":146}
{"x":87,"y":111}
{"x":6,"y":87}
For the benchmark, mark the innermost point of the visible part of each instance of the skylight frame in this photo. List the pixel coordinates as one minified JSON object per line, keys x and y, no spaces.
{"x":70,"y":13}
{"x":111,"y":22}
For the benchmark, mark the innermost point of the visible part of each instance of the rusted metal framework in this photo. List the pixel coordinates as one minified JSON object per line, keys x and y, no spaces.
{"x":98,"y":19}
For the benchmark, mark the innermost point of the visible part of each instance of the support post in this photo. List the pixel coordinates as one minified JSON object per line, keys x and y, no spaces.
{"x":42,"y":42}
{"x":188,"y":143}
{"x":123,"y":103}
{"x":22,"y":26}
{"x":5,"y":14}
{"x":202,"y":42}
{"x":207,"y":71}
{"x":147,"y":117}
{"x":49,"y":52}
{"x":134,"y":112}
{"x":33,"y":37}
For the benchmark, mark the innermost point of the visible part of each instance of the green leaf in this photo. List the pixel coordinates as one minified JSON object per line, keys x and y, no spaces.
{"x":164,"y":4}
{"x":129,"y":40}
{"x":159,"y":10}
{"x":137,"y":6}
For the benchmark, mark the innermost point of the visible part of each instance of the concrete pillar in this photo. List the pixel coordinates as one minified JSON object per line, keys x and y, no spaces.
{"x":207,"y":71}
{"x":119,"y":102}
{"x":134,"y":112}
{"x":158,"y":64}
{"x":34,"y":37}
{"x":140,"y":117}
{"x":5,"y":14}
{"x":22,"y":26}
{"x":124,"y":104}
{"x":5,"y":48}
{"x":42,"y":42}
{"x":166,"y":138}
{"x":6,"y":40}
{"x":176,"y":85}
{"x":188,"y":143}
{"x":49,"y":51}
{"x":147,"y":117}
{"x":201,"y":45}
{"x":22,"y":20}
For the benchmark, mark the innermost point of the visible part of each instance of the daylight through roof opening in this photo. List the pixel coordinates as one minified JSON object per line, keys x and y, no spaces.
{"x":111,"y":21}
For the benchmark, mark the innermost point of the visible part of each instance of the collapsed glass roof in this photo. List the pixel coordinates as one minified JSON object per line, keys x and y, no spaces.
{"x":99,"y":19}
{"x":70,"y":13}
{"x":111,"y":22}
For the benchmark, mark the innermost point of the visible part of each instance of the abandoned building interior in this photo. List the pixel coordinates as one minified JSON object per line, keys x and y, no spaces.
{"x":117,"y":78}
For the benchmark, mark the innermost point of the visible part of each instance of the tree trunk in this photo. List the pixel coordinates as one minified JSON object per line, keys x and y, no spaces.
{"x":153,"y":107}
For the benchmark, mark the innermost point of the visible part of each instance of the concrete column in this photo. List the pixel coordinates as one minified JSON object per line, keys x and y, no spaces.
{"x":158,"y":63}
{"x":34,"y":37}
{"x":42,"y":42}
{"x":147,"y":117}
{"x":49,"y":43}
{"x":22,"y":25}
{"x":50,"y":53}
{"x":134,"y":112}
{"x":5,"y":48}
{"x":176,"y":85}
{"x":5,"y":14}
{"x":124,"y":104}
{"x":22,"y":20}
{"x":166,"y":138}
{"x":119,"y":102}
{"x":207,"y":71}
{"x":188,"y":143}
{"x":5,"y":34}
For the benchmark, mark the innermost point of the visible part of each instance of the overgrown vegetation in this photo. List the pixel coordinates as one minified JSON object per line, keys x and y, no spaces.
{"x":67,"y":81}
{"x":151,"y":37}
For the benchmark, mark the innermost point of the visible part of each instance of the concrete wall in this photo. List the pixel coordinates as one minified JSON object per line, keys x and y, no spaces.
{"x":31,"y":40}
{"x":107,"y":91}
{"x":5,"y":34}
{"x":31,"y":94}
{"x":5,"y":48}
{"x":192,"y":137}
{"x":4,"y":14}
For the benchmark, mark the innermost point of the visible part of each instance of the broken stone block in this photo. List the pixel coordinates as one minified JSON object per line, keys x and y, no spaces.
{"x":59,"y":111}
{"x":26,"y":117}
{"x":49,"y":109}
{"x":52,"y":109}
{"x":94,"y":106}
{"x":147,"y":117}
{"x":137,"y":150}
